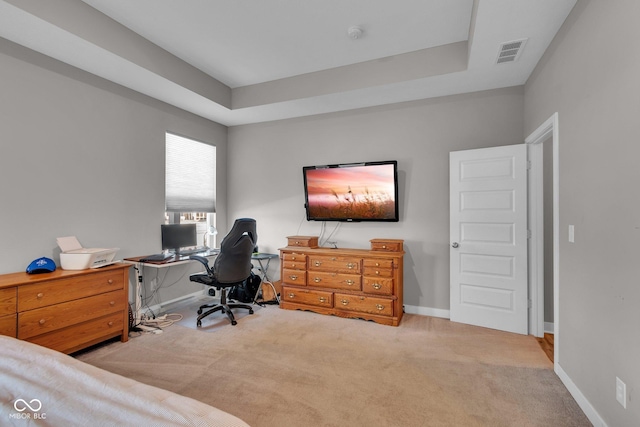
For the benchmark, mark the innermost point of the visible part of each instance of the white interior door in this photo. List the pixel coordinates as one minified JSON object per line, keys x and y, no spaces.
{"x":488,"y":231}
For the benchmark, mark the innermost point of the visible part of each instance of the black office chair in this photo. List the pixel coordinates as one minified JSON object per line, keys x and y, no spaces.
{"x":231,"y":267}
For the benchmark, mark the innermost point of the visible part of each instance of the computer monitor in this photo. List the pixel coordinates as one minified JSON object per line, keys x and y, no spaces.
{"x":176,"y":236}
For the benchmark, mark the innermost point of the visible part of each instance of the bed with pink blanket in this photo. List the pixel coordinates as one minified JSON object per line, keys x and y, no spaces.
{"x":42,"y":387}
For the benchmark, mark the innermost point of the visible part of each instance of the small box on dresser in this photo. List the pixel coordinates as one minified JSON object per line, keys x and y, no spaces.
{"x":303,"y":241}
{"x":388,"y":245}
{"x":355,"y":283}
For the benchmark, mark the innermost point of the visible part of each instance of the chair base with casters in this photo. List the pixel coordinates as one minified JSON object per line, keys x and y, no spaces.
{"x":223,"y":306}
{"x":232,"y":267}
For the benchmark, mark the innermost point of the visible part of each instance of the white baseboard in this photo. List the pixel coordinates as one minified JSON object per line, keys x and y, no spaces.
{"x":157,"y":308}
{"x":548,"y":327}
{"x":426,"y":311}
{"x":582,"y":401}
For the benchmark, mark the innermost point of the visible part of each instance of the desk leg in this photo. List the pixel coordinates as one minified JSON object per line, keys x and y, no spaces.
{"x":261,"y":269}
{"x":138,"y":314}
{"x":270,"y":283}
{"x":265,"y":279}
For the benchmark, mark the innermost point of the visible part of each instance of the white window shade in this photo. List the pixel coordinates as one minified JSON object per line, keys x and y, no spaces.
{"x":190,"y":175}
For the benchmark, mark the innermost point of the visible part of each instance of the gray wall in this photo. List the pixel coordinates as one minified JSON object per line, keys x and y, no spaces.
{"x":85,"y":157}
{"x":590,"y":76}
{"x":266,"y":160}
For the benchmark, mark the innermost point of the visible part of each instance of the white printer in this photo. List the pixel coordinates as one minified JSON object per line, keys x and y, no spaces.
{"x":75,"y":257}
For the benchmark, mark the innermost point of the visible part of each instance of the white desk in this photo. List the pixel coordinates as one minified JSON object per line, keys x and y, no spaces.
{"x":169,"y":262}
{"x":263,"y":260}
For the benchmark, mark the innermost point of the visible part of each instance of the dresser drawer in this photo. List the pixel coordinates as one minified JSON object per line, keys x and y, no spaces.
{"x":294,"y":277}
{"x":338,"y":264}
{"x":8,"y":325}
{"x":47,"y":319}
{"x":377,"y":263}
{"x":378,"y":285}
{"x":378,"y":272}
{"x":8,"y":298}
{"x":68,"y":289}
{"x":325,"y":279}
{"x":294,"y":261}
{"x":74,"y":337}
{"x":364,"y":304}
{"x":307,"y":296}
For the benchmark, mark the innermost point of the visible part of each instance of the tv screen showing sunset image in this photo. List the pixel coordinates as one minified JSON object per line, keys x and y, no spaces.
{"x":357,"y":193}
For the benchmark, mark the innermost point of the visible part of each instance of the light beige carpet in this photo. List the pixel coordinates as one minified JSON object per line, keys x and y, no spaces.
{"x":293,"y":368}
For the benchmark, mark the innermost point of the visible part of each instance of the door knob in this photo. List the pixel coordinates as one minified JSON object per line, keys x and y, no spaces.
{"x":455,"y":245}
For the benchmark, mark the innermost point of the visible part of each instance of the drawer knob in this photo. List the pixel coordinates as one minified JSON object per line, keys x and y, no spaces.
{"x":376,"y":286}
{"x":380,"y":307}
{"x":317,"y":280}
{"x":384,"y":246}
{"x":350,"y":282}
{"x":377,"y":272}
{"x":112,"y":303}
{"x":297,"y":242}
{"x":351,"y":266}
{"x":110,"y":281}
{"x":377,"y":264}
{"x":110,"y":324}
{"x":291,"y":295}
{"x":322,"y":299}
{"x":293,"y":277}
{"x":42,"y":321}
{"x":293,"y":258}
{"x":317,"y":263}
{"x":344,"y":302}
{"x":40,"y":295}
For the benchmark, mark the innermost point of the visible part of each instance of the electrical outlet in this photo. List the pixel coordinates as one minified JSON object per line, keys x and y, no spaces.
{"x":572,"y":234}
{"x":621,"y":392}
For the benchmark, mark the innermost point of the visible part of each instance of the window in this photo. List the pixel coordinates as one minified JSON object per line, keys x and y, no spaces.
{"x":190,"y":185}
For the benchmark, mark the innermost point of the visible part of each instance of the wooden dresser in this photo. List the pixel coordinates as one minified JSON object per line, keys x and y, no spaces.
{"x":66,"y":310}
{"x":356,"y":283}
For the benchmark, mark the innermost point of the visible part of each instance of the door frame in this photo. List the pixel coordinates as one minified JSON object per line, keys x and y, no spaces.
{"x":550,"y":128}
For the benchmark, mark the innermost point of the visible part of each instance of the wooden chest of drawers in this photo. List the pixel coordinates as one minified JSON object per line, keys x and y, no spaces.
{"x":66,"y":310}
{"x":354,"y":283}
{"x":8,"y":316}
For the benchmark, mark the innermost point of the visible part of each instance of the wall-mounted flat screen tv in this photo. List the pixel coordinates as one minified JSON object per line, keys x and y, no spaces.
{"x":352,"y":191}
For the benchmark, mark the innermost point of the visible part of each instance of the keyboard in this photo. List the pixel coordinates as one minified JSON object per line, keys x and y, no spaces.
{"x":191,"y":251}
{"x":157,"y":257}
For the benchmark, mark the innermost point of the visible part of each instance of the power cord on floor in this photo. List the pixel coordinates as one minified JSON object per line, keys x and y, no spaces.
{"x":161,"y":322}
{"x":156,"y":324}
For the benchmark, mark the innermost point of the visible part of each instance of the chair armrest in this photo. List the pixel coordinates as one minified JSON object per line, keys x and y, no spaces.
{"x":203,"y":278}
{"x":204,"y":262}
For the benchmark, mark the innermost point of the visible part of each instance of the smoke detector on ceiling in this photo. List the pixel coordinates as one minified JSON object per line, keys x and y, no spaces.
{"x":354,"y":32}
{"x":510,"y":51}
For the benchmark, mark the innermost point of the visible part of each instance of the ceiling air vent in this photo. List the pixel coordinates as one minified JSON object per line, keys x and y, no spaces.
{"x":510,"y":51}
